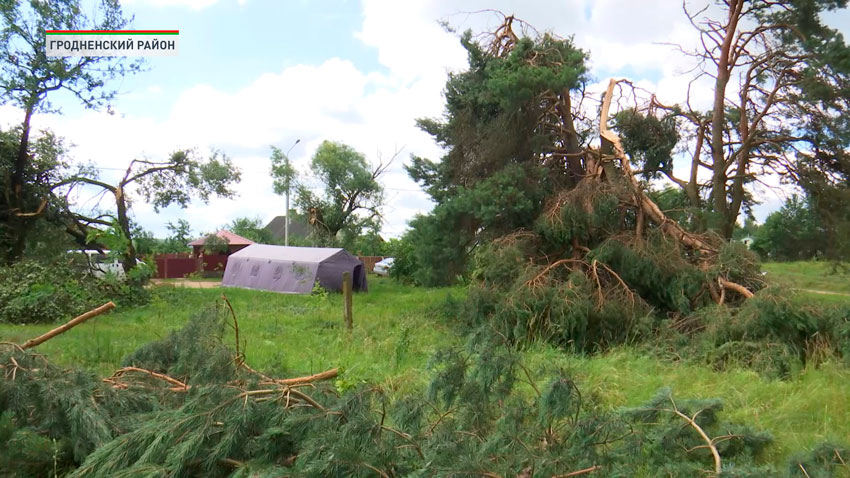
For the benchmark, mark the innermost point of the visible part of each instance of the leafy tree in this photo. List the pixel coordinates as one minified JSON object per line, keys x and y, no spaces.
{"x":144,"y":241}
{"x":173,"y":181}
{"x":47,"y":165}
{"x":215,"y":244}
{"x":792,"y":233}
{"x":181,"y":236}
{"x":368,"y":243}
{"x":352,"y":195}
{"x":250,"y":228}
{"x":28,"y":77}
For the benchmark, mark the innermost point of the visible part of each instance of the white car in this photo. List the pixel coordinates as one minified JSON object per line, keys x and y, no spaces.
{"x":382,"y":267}
{"x":103,"y":263}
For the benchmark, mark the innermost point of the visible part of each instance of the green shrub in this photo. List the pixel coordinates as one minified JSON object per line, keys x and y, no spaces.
{"x":36,"y":292}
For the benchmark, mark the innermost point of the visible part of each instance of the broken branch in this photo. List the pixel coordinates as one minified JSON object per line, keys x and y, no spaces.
{"x":578,"y":472}
{"x":65,"y":327}
{"x":735,"y":287}
{"x":326,"y":375}
{"x":178,"y":385}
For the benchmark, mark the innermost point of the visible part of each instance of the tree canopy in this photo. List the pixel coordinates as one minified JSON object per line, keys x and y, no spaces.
{"x":28,"y":78}
{"x":175,"y":180}
{"x":351,"y":196}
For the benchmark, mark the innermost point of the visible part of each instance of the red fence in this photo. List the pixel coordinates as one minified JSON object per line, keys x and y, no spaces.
{"x":177,"y":266}
{"x":370,"y":261}
{"x":214,"y":264}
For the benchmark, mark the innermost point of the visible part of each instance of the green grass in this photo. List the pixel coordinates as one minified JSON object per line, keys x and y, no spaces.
{"x":808,"y":275}
{"x":283,"y":334}
{"x":394,"y":337}
{"x":800,"y":413}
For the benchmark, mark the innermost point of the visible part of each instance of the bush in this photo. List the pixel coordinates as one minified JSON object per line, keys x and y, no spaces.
{"x":36,"y":292}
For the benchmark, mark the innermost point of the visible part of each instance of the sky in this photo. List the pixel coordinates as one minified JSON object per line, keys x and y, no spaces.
{"x":256,"y":73}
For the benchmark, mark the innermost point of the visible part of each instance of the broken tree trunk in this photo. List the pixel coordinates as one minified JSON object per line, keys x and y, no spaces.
{"x":647,"y":206}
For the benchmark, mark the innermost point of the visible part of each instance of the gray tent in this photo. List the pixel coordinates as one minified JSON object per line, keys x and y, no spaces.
{"x":292,"y":270}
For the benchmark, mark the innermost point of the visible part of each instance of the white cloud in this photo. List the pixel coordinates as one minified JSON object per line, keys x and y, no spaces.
{"x":372,"y":111}
{"x":193,"y":4}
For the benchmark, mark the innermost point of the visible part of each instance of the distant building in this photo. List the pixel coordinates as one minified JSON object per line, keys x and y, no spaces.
{"x":747,"y":241}
{"x":235,"y":242}
{"x":298,"y":228}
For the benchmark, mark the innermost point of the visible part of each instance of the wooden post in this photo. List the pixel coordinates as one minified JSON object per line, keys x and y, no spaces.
{"x":346,"y":294}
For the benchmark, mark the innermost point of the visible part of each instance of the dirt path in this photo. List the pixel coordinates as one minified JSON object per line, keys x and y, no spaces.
{"x":825,"y":292}
{"x":193,"y":284}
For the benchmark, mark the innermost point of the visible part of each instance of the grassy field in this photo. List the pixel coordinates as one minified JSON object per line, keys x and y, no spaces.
{"x":283,"y":334}
{"x":809,"y":276}
{"x":394,"y":336}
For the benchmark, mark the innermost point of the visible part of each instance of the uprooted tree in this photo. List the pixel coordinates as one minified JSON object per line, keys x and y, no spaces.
{"x":526,"y":170}
{"x":547,"y":187}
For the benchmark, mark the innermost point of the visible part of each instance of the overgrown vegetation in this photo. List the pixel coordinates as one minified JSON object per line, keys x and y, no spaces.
{"x":37,"y":292}
{"x":539,"y":206}
{"x":188,"y":405}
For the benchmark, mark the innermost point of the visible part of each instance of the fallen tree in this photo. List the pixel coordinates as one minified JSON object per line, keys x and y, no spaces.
{"x":188,"y":405}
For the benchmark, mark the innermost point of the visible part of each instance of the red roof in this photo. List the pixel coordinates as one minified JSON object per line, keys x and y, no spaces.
{"x":232,"y":239}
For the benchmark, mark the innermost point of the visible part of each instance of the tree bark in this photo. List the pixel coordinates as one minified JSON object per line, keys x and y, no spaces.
{"x":129,"y":260}
{"x":571,"y":143}
{"x":718,"y":121}
{"x":20,"y":224}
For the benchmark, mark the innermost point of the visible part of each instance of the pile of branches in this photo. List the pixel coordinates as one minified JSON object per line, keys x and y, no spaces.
{"x":590,"y":259}
{"x":188,"y":405}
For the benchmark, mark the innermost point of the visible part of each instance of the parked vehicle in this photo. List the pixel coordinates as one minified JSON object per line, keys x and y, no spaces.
{"x":103,"y":263}
{"x":382,"y":267}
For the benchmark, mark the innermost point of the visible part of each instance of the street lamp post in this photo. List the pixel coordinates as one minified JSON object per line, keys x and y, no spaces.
{"x":288,"y":184}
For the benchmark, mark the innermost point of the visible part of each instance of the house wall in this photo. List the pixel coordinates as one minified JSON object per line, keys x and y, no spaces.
{"x":370,"y":261}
